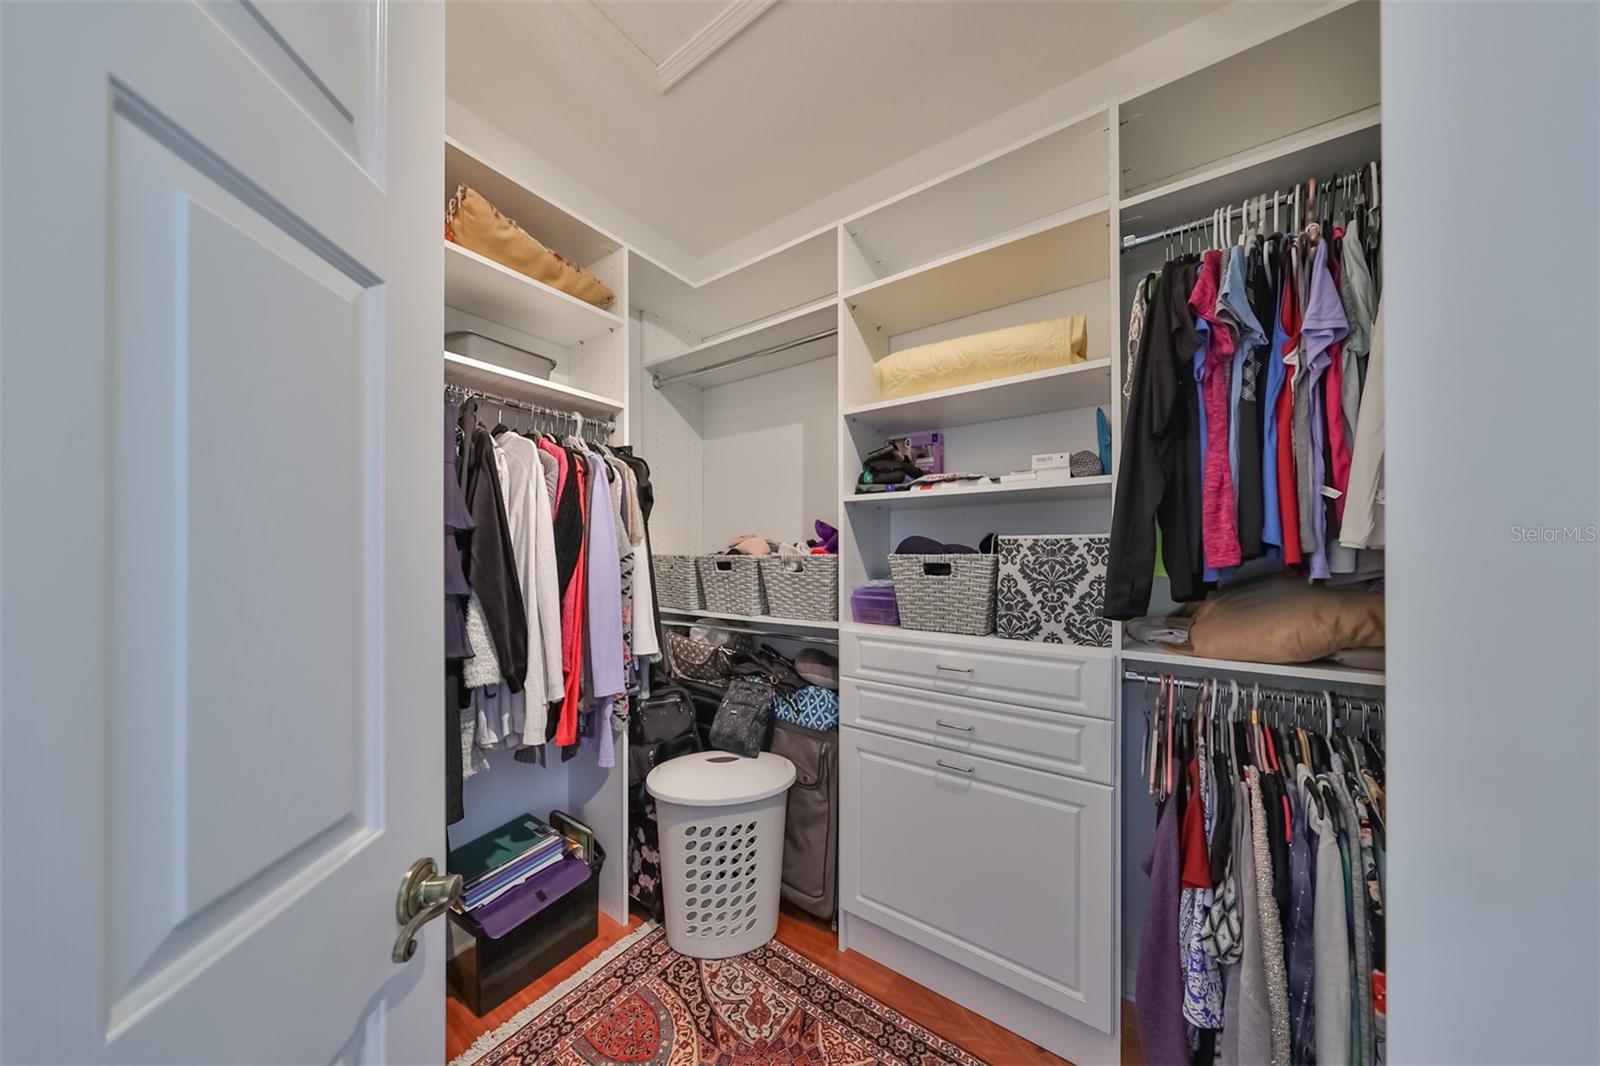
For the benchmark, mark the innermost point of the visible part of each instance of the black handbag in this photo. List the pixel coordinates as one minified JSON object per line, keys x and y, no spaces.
{"x":744,"y":719}
{"x":661,"y":727}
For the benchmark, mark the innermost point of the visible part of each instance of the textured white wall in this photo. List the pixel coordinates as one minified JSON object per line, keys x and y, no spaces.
{"x":1492,"y":166}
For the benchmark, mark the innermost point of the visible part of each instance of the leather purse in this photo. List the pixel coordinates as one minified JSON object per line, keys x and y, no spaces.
{"x":698,"y":660}
{"x":661,"y":727}
{"x":744,"y":718}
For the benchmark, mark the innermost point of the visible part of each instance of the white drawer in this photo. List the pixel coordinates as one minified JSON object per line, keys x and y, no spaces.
{"x":1055,"y":741}
{"x":1034,"y":675}
{"x":1004,"y":870}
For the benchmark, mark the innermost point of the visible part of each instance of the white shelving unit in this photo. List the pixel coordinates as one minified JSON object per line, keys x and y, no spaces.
{"x":1335,"y":146}
{"x":515,"y":385}
{"x":778,"y":283}
{"x":482,"y":287}
{"x":1332,"y":673}
{"x":592,"y":378}
{"x":732,"y":356}
{"x":988,"y":643}
{"x":763,"y":620}
{"x":976,"y":495}
{"x":1059,"y":389}
{"x":1063,"y":253}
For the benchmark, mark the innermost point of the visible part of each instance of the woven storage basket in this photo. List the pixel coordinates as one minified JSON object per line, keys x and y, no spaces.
{"x":802,"y":586}
{"x":732,"y":584}
{"x":945,"y":593}
{"x":678,"y":582}
{"x":1052,"y":589}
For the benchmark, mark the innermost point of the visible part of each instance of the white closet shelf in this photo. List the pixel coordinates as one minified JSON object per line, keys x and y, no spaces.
{"x":776,"y":331}
{"x":1015,"y":187}
{"x":1136,"y":652}
{"x":1058,"y":389}
{"x":767,"y":286}
{"x":515,"y":385}
{"x":555,"y":227}
{"x":987,"y":643}
{"x":757,"y":619}
{"x":1061,"y":252}
{"x":480,"y":286}
{"x":1332,"y":147}
{"x":1079,"y":488}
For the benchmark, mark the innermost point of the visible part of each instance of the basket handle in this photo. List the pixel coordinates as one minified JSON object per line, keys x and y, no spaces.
{"x":936,"y":569}
{"x":724,"y":564}
{"x":794,"y":566}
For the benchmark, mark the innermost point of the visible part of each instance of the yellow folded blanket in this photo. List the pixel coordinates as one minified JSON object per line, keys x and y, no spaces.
{"x":1000,"y":353}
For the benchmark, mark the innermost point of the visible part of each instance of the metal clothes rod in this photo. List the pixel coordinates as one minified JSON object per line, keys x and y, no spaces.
{"x":1272,"y":692}
{"x":659,"y":381}
{"x":1204,"y":223}
{"x":467,"y":392}
{"x":717,"y":623}
{"x":1254,"y":203}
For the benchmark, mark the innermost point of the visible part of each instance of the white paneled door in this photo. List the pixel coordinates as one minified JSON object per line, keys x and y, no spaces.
{"x":220,"y":535}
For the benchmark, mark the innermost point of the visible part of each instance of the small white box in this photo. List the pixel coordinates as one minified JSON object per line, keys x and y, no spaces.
{"x":1052,"y":460}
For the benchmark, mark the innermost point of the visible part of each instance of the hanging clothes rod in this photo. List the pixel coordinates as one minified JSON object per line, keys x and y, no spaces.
{"x":583,"y":420}
{"x":1253,"y":204}
{"x":1272,"y":692}
{"x":716,"y":623}
{"x":658,"y":381}
{"x":1206,"y":222}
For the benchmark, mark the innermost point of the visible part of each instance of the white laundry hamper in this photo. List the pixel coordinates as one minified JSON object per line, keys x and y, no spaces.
{"x":720,"y":819}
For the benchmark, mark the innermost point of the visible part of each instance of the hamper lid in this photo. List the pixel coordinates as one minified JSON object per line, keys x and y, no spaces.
{"x":719,"y":778}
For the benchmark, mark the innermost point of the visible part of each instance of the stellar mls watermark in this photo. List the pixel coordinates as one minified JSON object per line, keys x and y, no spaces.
{"x":1555,"y":534}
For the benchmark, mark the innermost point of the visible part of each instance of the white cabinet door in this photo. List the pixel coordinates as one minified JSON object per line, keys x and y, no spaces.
{"x":222,"y":434}
{"x":1003,"y":869}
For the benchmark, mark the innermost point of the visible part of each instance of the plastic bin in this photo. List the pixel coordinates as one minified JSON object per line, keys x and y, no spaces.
{"x":875,"y":604}
{"x":720,"y":819}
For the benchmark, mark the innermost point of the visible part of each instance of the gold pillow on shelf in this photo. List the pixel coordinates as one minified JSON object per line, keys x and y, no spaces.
{"x":476,"y":225}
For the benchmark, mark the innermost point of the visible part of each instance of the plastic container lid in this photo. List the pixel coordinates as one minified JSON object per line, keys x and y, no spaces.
{"x":719,"y":779}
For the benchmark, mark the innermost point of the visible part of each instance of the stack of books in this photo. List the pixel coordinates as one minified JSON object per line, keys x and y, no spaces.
{"x":504,"y":858}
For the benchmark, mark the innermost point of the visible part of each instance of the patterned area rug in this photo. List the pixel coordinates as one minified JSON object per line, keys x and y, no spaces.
{"x":645,"y":1003}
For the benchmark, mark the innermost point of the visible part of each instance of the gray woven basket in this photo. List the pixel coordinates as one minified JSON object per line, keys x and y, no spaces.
{"x":678,"y":582}
{"x":802,"y":586}
{"x":945,"y":593}
{"x":732,"y":584}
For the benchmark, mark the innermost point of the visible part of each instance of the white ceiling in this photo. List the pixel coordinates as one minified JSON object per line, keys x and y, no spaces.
{"x":769,"y":115}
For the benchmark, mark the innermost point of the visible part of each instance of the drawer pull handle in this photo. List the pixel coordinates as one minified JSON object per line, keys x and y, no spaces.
{"x":954,"y":669}
{"x":952,"y":766}
{"x":946,"y":725}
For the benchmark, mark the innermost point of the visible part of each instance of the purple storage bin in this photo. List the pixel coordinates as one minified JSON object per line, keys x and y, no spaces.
{"x":532,"y":896}
{"x":875,"y":605}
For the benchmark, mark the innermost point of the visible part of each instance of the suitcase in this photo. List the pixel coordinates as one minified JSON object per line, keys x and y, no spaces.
{"x":811,"y":826}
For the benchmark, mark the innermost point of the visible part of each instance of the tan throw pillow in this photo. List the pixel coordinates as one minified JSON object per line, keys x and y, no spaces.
{"x":475,"y":224}
{"x":1285,"y":620}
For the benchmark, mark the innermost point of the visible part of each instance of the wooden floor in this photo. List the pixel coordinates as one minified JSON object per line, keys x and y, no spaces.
{"x":817,"y":942}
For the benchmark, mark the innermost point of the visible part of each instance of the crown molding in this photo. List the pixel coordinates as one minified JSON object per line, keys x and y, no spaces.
{"x":701,"y":46}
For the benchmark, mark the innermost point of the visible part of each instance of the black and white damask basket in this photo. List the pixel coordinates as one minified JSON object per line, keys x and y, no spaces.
{"x":945,"y":593}
{"x":1052,"y":588}
{"x":732,"y":584}
{"x":802,"y":586}
{"x":678,"y":582}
